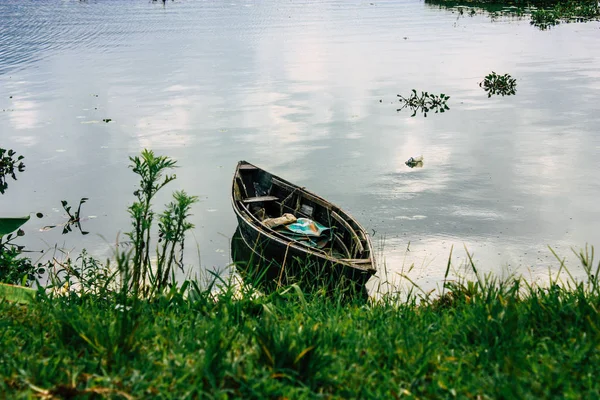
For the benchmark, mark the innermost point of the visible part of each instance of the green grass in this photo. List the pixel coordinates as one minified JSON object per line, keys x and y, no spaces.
{"x":127,"y":329}
{"x":481,"y":339}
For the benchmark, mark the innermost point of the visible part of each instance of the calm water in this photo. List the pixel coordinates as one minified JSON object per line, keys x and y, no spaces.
{"x":308,"y":91}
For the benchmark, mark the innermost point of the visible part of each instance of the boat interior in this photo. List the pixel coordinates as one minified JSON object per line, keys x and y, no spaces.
{"x":263,"y":195}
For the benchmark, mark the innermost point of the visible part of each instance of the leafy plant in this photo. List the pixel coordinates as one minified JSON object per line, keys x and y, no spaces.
{"x":15,"y":269}
{"x":9,"y":165}
{"x":425,"y":102}
{"x":544,"y":19}
{"x":18,"y":270}
{"x":172,"y":223}
{"x":8,"y":225}
{"x":85,"y":274}
{"x":172,"y":226}
{"x":495,"y":84}
{"x":150,"y":169}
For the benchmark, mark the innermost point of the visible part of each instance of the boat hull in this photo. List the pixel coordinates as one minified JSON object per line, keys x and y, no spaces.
{"x":269,"y":263}
{"x":345,"y":259}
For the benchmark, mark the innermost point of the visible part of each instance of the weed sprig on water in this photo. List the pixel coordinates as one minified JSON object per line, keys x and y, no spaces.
{"x":495,"y":84}
{"x":424,"y":103}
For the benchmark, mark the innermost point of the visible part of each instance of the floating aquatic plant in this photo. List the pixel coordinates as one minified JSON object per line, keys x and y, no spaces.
{"x":10,"y":164}
{"x":74,"y":218}
{"x":425,"y":102}
{"x":495,"y":84}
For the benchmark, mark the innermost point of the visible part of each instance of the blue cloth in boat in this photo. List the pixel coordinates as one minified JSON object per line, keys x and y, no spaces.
{"x":306,"y":231}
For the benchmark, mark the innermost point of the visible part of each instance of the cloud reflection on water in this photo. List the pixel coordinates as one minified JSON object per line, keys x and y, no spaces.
{"x":296,"y":88}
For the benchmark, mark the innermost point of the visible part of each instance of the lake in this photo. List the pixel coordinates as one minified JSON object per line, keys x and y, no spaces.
{"x":308,"y":90}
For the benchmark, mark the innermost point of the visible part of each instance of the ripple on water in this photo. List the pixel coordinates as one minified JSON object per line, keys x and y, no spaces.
{"x":34,"y":30}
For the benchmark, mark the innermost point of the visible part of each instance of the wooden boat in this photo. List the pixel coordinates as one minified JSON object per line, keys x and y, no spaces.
{"x":346,"y":256}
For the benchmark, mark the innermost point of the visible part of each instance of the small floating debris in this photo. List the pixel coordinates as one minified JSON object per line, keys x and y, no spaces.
{"x":415,"y":162}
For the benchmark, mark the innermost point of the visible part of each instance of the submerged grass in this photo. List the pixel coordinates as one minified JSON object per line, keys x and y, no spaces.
{"x":485,"y":338}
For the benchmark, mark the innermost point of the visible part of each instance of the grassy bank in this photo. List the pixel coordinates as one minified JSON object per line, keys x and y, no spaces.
{"x":481,"y":339}
{"x":128,"y":329}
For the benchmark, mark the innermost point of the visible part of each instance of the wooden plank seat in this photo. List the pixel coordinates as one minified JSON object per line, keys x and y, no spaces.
{"x":356,"y":260}
{"x":260,"y":198}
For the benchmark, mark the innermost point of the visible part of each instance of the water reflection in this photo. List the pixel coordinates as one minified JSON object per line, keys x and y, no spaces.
{"x":296,"y":88}
{"x":424,"y":103}
{"x":472,"y":8}
{"x":253,"y":269}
